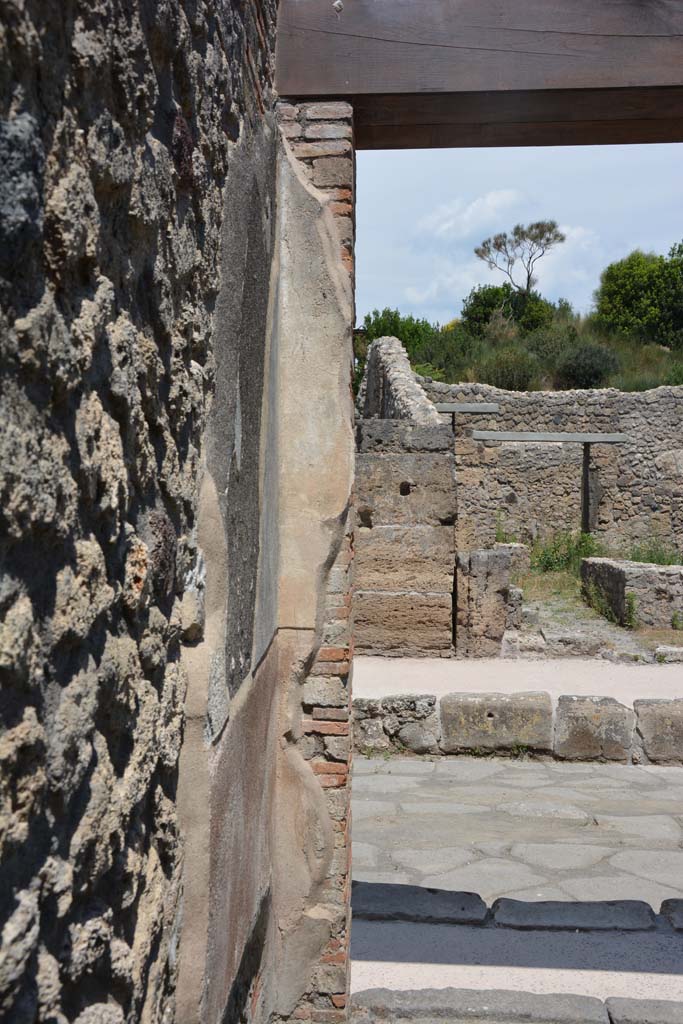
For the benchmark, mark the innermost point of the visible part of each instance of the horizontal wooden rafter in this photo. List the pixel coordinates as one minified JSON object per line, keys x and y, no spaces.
{"x":429,"y":73}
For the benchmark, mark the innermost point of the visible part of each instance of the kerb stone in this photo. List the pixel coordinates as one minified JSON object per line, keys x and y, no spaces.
{"x":660,"y":724}
{"x":644,"y":1011}
{"x":463,"y":1006}
{"x":496,"y":721}
{"x":593,"y":728}
{"x":625,"y":915}
{"x":388,"y":902}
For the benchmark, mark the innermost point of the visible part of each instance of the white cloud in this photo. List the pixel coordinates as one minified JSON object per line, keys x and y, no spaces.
{"x":460,"y":219}
{"x":573,"y":269}
{"x":448,"y":283}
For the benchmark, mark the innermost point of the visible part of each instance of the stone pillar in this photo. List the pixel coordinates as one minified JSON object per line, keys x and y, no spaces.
{"x":319,"y":144}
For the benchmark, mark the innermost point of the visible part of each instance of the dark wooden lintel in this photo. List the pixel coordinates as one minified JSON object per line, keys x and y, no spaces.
{"x":429,"y":73}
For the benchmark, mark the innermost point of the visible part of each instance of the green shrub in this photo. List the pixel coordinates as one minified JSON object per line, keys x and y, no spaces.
{"x":595,"y":598}
{"x":549,"y":343}
{"x":529,"y":312}
{"x":427,"y":370}
{"x":501,"y":331}
{"x":675,"y":374}
{"x":587,"y":366}
{"x":481,"y":304}
{"x":414,"y":333}
{"x":513,"y":369}
{"x":631,"y":612}
{"x":564,"y":551}
{"x":642,"y":296}
{"x":655,"y":551}
{"x":532,"y":311}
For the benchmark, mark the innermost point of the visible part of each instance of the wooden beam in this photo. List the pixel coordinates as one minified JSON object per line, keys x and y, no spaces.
{"x":547,"y":117}
{"x":430,"y":73}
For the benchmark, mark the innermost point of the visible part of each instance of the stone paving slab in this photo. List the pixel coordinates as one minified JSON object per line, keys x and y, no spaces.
{"x":377,"y":902}
{"x":521,"y":829}
{"x":644,"y":1011}
{"x":461,"y":1006}
{"x":623,"y":915}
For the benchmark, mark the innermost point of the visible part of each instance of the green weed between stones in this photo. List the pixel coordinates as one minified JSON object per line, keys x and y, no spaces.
{"x":631,"y":615}
{"x":564,"y":551}
{"x":595,"y":597}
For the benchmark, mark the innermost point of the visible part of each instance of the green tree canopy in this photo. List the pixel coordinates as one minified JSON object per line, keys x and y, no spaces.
{"x":642,"y":296}
{"x":414,"y":333}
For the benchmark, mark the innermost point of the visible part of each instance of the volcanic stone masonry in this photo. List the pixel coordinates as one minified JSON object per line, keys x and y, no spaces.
{"x":527,"y":490}
{"x":405,"y":540}
{"x":570,"y":728}
{"x":635,"y":593}
{"x":175,"y":503}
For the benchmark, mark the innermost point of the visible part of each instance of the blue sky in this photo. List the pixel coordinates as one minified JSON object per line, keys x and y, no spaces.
{"x":421,"y":212}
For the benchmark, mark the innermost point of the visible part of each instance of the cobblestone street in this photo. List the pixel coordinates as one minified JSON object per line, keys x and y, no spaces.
{"x":533,"y":832}
{"x":527,"y":830}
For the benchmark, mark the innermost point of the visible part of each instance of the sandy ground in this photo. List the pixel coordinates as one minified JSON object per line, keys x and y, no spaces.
{"x":635,"y":965}
{"x":383,"y":677}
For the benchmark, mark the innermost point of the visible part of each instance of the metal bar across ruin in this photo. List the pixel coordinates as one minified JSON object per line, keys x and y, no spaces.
{"x":550,"y":438}
{"x":469,"y":408}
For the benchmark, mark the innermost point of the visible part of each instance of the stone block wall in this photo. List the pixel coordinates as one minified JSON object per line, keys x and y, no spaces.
{"x":488,"y":602}
{"x":570,"y":728}
{"x":635,"y":593}
{"x":405,"y":540}
{"x":532,"y":490}
{"x":390,"y":389}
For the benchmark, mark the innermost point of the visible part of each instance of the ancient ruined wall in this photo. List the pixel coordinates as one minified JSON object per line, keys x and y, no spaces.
{"x":160,"y":251}
{"x":529,"y":490}
{"x":635,"y":593}
{"x":405,"y":538}
{"x":120,"y":125}
{"x":390,"y":390}
{"x":315,"y":323}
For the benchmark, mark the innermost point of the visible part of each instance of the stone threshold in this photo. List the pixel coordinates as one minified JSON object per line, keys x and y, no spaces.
{"x":496,"y":1006}
{"x":386,"y":901}
{"x":568,"y":728}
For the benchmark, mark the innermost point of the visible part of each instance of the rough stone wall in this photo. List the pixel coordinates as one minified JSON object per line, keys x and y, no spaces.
{"x":535,"y":490}
{"x":570,"y":728}
{"x":405,"y":538}
{"x":389,"y":389}
{"x":177,"y":310}
{"x":635,"y":593}
{"x":120,"y":126}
